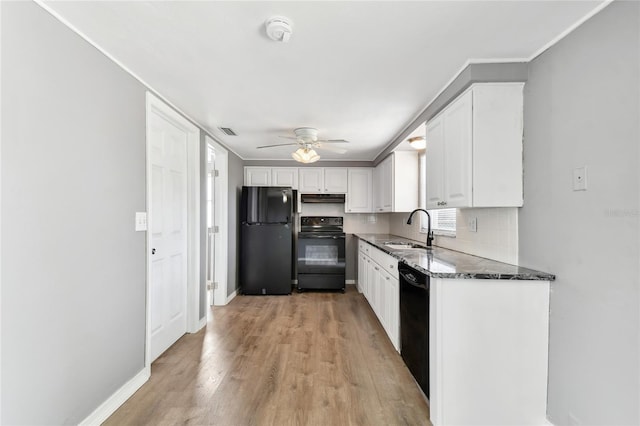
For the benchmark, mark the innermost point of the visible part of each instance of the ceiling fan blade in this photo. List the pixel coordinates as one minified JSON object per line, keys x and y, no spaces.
{"x":280,"y":144}
{"x":332,"y":141}
{"x":331,"y":148}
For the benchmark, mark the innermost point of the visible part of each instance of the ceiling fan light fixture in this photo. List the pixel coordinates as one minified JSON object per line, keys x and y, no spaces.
{"x":418,"y":142}
{"x":305,"y":155}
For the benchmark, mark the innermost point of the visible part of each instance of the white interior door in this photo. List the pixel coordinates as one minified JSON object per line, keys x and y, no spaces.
{"x":211,"y":221}
{"x":220,"y":221}
{"x":168,"y":221}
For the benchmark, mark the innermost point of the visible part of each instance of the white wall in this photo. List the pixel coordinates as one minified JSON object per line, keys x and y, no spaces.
{"x":73,"y":176}
{"x":496,"y":237}
{"x":582,"y":108}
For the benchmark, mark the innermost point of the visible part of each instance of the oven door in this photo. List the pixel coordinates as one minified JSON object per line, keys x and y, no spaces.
{"x":320,"y":253}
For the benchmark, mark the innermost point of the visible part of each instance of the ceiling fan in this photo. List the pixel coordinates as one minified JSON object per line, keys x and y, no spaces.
{"x":306,"y":139}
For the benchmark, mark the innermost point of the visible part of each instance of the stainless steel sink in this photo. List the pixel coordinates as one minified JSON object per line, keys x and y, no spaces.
{"x":399,"y":246}
{"x":402,"y":245}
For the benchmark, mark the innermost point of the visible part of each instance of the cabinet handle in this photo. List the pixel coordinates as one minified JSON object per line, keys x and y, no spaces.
{"x":391,"y":266}
{"x":387,"y":278}
{"x":376,"y":268}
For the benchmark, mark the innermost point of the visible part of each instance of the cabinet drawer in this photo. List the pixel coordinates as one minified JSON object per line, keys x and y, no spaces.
{"x":388,"y":263}
{"x":364,"y":247}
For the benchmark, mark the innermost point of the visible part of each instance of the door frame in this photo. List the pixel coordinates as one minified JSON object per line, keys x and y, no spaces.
{"x":221,"y":199}
{"x":157,"y":106}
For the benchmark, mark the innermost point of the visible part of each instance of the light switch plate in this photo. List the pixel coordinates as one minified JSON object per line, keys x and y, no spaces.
{"x":141,"y":221}
{"x":580,"y":178}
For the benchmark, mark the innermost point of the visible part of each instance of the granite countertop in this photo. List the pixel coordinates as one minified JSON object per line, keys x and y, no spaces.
{"x":439,"y":262}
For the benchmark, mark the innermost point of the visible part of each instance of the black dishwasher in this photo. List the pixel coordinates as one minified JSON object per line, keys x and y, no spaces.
{"x":414,"y":323}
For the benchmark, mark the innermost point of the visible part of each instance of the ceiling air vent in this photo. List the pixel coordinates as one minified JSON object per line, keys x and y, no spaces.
{"x":227,"y":131}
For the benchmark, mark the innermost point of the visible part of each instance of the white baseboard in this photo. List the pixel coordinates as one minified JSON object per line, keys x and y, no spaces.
{"x":231,"y":296}
{"x":118,"y":398}
{"x":350,"y":282}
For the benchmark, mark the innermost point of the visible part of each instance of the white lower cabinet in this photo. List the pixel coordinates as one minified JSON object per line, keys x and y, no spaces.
{"x":378,"y":279}
{"x":362,"y":272}
{"x":488,"y":358}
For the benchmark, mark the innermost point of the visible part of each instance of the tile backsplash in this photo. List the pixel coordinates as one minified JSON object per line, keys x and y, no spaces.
{"x":496,"y":237}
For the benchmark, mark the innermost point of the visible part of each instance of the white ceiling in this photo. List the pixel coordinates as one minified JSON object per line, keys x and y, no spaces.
{"x":359,"y":70}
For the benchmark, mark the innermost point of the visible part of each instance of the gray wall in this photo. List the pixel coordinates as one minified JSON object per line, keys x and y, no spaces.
{"x":73,"y":175}
{"x":236,"y":180}
{"x":582,"y":108}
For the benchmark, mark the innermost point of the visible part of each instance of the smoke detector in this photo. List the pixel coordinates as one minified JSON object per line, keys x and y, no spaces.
{"x":279,"y":28}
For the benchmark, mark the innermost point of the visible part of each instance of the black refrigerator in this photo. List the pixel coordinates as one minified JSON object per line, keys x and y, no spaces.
{"x":266,"y":240}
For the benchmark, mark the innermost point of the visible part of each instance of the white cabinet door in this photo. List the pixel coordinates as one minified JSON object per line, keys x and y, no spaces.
{"x":393,"y":310}
{"x":457,"y":152}
{"x":383,"y":183}
{"x":257,"y":176}
{"x":405,"y":176}
{"x":335,"y":180}
{"x":377,"y":188}
{"x":285,"y":176}
{"x":386,"y":182}
{"x":360,"y":191}
{"x":435,"y":162}
{"x":362,"y":272}
{"x":376,"y":290}
{"x":311,"y":180}
{"x":385,"y":305}
{"x":371,"y":284}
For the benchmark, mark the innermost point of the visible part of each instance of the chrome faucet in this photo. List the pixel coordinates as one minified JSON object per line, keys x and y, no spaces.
{"x":429,"y":232}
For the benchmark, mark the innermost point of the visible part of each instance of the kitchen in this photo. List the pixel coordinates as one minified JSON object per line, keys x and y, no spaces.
{"x":580,"y":109}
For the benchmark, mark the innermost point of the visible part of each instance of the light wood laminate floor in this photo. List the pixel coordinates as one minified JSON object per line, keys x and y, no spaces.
{"x":313,"y":358}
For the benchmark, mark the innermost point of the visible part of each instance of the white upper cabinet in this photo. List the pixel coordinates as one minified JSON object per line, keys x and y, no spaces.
{"x":360,"y":191}
{"x":330,"y":180}
{"x":311,"y":180}
{"x":435,"y":162}
{"x":396,"y":181}
{"x":268,"y":176}
{"x":257,"y":176}
{"x":285,"y":176}
{"x":335,"y":180}
{"x":457,"y":152}
{"x":474,"y":149}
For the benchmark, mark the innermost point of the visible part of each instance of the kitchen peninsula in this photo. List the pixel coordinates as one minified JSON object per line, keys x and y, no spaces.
{"x":488,"y":325}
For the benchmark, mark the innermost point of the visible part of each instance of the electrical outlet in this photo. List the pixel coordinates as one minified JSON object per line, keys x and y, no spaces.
{"x":580,"y":178}
{"x":473,"y":224}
